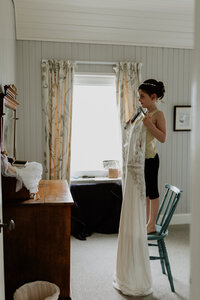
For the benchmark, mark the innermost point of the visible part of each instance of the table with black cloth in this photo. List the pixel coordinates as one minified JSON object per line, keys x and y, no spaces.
{"x":97,"y":207}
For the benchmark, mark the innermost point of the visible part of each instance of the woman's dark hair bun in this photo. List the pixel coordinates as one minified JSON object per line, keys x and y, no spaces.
{"x":152,"y":86}
{"x":161,"y":89}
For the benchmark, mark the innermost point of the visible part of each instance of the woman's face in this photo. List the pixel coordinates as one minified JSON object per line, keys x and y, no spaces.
{"x":145,"y":99}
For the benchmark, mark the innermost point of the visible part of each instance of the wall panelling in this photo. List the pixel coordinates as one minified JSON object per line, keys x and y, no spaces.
{"x":172,"y":66}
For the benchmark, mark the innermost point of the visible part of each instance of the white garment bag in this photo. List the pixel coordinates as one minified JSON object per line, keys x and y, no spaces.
{"x":133,"y":275}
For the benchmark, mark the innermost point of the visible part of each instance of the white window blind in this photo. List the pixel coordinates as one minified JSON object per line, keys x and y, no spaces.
{"x":95,"y":124}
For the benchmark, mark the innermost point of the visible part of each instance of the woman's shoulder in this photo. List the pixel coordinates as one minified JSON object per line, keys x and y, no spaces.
{"x":159,"y":113}
{"x":156,"y":113}
{"x":159,"y":116}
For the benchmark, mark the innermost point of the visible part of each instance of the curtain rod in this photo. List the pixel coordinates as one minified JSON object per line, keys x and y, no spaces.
{"x":84,"y":62}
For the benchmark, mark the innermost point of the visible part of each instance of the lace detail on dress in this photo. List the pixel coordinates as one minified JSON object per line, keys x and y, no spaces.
{"x":135,"y":163}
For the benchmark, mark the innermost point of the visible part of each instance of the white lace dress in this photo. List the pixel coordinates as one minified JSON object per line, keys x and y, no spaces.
{"x":132,"y":275}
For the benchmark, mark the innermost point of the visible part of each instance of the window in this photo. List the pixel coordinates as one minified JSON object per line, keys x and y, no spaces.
{"x":95,"y":124}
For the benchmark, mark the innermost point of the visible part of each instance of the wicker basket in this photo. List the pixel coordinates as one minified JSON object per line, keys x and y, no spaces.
{"x":37,"y":290}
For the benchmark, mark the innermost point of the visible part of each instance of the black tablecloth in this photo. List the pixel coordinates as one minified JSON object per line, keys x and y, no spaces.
{"x":96,"y":208}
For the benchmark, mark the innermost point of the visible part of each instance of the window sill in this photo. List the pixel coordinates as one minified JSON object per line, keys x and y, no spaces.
{"x":95,"y":180}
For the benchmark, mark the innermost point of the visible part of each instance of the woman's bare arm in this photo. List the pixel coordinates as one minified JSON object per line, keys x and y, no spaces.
{"x":159,"y":128}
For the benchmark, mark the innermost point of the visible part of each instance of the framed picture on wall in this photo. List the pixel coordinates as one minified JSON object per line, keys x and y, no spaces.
{"x":182,"y":118}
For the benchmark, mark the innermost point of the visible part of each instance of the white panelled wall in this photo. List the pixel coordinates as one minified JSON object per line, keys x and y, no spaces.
{"x":172,"y":66}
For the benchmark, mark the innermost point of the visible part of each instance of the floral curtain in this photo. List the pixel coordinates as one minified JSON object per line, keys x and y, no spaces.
{"x":57,"y":89}
{"x":128,"y":79}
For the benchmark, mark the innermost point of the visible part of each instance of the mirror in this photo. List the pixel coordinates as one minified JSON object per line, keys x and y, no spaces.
{"x":9,"y":131}
{"x":8,"y":105}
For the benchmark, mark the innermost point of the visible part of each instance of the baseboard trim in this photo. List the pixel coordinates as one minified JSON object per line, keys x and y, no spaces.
{"x":181,"y":219}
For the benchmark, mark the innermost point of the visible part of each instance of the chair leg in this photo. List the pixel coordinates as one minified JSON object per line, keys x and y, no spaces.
{"x":167,"y":264}
{"x":161,"y":255}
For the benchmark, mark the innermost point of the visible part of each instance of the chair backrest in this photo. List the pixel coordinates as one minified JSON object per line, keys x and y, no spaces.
{"x":168,"y":206}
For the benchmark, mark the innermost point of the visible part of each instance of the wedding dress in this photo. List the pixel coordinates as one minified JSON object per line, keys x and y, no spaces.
{"x":132,"y":275}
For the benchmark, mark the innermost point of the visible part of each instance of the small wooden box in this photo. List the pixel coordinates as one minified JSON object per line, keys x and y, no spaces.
{"x":113,"y":173}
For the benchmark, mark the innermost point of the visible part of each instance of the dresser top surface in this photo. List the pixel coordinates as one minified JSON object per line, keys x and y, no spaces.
{"x":52,"y":192}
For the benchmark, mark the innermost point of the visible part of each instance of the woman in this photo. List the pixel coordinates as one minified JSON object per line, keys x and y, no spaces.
{"x":150,"y":92}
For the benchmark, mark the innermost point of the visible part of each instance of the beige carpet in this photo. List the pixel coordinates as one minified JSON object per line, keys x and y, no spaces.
{"x":93,"y":262}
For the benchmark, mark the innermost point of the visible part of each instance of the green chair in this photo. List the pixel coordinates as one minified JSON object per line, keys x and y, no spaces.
{"x":166,"y":211}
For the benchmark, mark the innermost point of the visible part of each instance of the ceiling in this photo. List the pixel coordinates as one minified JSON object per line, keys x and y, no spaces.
{"x":157,"y":23}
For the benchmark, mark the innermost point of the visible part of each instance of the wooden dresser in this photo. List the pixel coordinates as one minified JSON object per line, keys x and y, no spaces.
{"x":39,"y":247}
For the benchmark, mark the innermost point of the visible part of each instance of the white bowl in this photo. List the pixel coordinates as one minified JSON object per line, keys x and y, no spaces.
{"x":37,"y":290}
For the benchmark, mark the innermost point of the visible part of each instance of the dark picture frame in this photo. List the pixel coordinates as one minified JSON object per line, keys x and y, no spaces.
{"x":182,"y":118}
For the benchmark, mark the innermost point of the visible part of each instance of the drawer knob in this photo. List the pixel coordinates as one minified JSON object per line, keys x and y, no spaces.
{"x":11,"y":225}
